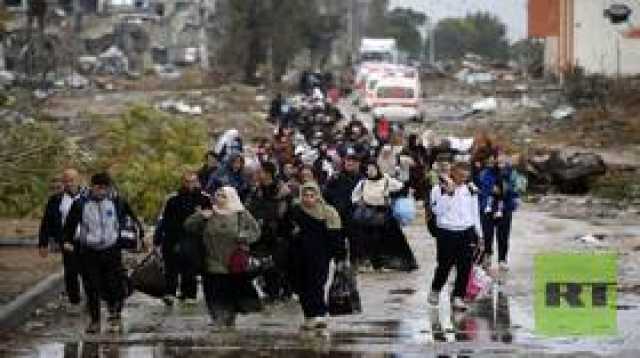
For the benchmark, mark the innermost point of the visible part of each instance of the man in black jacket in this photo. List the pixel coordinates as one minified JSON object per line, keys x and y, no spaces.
{"x":178,"y":249}
{"x":55,"y":214}
{"x":338,"y":194}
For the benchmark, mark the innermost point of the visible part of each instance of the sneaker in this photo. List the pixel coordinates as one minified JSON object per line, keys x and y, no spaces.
{"x":434,"y":298}
{"x":486,"y":262}
{"x":93,"y":328}
{"x":319,"y":322}
{"x":115,"y":325}
{"x":168,"y":300}
{"x":314,"y":323}
{"x":503,"y":266}
{"x":190,"y":302}
{"x":307,"y":325}
{"x":459,"y":305}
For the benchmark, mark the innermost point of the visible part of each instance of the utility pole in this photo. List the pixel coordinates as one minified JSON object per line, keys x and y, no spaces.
{"x":204,"y":52}
{"x":432,"y":42}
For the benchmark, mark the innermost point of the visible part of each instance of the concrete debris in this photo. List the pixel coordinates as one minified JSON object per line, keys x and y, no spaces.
{"x":167,"y":72}
{"x":41,"y":94}
{"x":563,"y":112}
{"x":180,"y":107}
{"x":88,"y":64}
{"x":571,"y":173}
{"x":10,"y":117}
{"x":477,"y":78}
{"x":76,"y":81}
{"x":486,"y":105}
{"x":7,"y":78}
{"x":592,"y":239}
{"x":113,"y":61}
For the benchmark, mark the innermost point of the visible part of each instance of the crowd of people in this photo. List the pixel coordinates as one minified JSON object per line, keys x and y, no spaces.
{"x":320,"y":189}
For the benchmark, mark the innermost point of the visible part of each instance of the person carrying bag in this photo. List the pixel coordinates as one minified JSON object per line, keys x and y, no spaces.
{"x":226,"y":229}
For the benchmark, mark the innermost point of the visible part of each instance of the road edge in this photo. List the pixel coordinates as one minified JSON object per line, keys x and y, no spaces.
{"x":12,"y":314}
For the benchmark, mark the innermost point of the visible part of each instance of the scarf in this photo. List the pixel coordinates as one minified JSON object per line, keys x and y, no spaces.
{"x":321,"y":210}
{"x":233,"y":204}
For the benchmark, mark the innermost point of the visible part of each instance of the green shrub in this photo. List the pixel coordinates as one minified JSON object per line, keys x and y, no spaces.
{"x":30,"y":155}
{"x":147,"y":151}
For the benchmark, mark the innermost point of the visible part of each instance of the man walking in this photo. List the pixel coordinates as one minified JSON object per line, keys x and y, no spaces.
{"x":338,"y":194}
{"x":455,"y":206}
{"x":92,"y":230}
{"x":178,"y":250}
{"x":55,"y":215}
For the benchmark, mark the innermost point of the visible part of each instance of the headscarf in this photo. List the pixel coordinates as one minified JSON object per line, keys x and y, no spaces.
{"x":321,"y":210}
{"x":226,"y":139}
{"x":233,"y":204}
{"x":387,"y":160}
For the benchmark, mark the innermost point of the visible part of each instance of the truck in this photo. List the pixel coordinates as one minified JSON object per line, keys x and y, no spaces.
{"x":378,"y":50}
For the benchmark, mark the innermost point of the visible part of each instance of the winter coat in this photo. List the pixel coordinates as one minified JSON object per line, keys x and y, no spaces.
{"x":221,"y":235}
{"x":376,"y":192}
{"x":99,"y":222}
{"x":177,"y":210}
{"x":506,"y":178}
{"x":338,"y":193}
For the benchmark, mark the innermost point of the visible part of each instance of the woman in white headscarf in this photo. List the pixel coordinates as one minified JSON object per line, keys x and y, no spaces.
{"x":387,"y":161}
{"x":224,"y":229}
{"x":229,"y":143}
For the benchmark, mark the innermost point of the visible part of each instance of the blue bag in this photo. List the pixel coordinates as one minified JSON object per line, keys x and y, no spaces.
{"x":404,"y":210}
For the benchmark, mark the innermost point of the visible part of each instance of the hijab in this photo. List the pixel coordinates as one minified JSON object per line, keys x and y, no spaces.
{"x":233,"y":204}
{"x":387,"y":160}
{"x":321,"y":210}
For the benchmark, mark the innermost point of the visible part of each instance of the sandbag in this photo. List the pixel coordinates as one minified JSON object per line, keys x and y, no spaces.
{"x":148,"y":276}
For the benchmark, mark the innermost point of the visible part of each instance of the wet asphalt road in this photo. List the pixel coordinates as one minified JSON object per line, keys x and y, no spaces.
{"x":396,"y":322}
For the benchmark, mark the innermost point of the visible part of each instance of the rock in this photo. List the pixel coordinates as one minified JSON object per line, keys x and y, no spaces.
{"x":167,"y":72}
{"x":7,"y":78}
{"x":479,"y":78}
{"x":592,"y":239}
{"x":489,"y":104}
{"x":76,"y":81}
{"x":180,"y":107}
{"x":563,"y":112}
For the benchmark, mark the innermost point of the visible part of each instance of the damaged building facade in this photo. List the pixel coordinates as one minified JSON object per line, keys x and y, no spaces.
{"x":578,"y":33}
{"x":116,"y":35}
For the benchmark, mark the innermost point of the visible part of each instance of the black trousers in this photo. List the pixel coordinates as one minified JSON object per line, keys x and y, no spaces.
{"x":498,"y":228}
{"x":103,"y":277}
{"x":453,"y":248}
{"x":71,"y":264}
{"x":178,"y":266}
{"x":226,"y":295}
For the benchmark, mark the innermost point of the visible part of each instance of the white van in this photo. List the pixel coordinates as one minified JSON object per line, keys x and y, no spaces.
{"x":397,"y":99}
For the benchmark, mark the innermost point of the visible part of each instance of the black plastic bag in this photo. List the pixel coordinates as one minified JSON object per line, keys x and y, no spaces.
{"x":148,"y":276}
{"x":344,"y":298}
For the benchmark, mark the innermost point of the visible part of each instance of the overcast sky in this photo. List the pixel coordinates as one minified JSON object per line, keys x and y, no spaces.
{"x":512,"y":12}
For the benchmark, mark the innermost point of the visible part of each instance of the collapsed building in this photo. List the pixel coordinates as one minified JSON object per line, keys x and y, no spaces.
{"x":108,"y":36}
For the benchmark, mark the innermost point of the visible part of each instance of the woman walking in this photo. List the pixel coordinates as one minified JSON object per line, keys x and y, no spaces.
{"x":385,"y":242}
{"x":316,"y":238}
{"x":225,"y":229}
